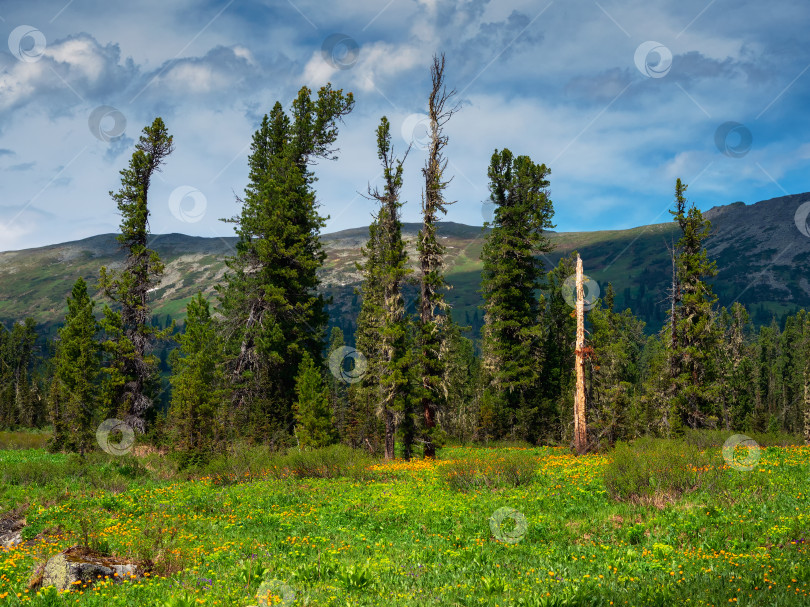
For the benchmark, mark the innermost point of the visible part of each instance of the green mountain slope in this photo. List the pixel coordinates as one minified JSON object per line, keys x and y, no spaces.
{"x":764,"y":262}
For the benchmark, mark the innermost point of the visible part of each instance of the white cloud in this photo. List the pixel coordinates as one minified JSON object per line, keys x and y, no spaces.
{"x":539,"y":85}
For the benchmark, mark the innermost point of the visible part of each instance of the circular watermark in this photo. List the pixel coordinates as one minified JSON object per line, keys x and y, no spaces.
{"x":733,"y":139}
{"x":513,"y":535}
{"x":747,"y":463}
{"x":26,"y":43}
{"x":275,"y":592}
{"x":340,"y":51}
{"x":184,"y":213}
{"x":488,"y":211}
{"x":99,"y":123}
{"x":589,"y":286}
{"x":416,"y":131}
{"x":111,"y":426}
{"x":346,"y":355}
{"x":653,"y":59}
{"x":801,"y":218}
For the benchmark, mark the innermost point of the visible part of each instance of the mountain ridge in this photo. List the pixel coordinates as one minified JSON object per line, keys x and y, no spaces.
{"x":762,"y":257}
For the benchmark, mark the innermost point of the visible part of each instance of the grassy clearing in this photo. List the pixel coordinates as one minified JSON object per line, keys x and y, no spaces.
{"x":26,"y":439}
{"x":325,"y":533}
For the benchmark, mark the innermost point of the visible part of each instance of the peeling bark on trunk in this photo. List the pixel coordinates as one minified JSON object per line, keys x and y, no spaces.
{"x":580,"y":430}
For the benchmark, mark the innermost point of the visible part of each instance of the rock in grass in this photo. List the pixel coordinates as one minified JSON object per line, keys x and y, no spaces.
{"x":11,"y":539}
{"x":11,"y":532}
{"x":78,"y":566}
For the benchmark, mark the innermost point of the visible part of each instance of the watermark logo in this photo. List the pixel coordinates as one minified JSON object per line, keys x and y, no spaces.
{"x":653,"y":59}
{"x":501,"y":530}
{"x":348,"y":364}
{"x":488,"y":211}
{"x":26,"y":43}
{"x":99,"y":123}
{"x":589,"y":286}
{"x":107,"y":431}
{"x":801,"y":218}
{"x":340,"y":51}
{"x":733,"y":139}
{"x":416,"y":131}
{"x":743,"y":464}
{"x":184,"y":212}
{"x":275,"y":592}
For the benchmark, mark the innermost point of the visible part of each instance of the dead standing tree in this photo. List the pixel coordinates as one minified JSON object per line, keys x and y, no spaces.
{"x":580,"y":428}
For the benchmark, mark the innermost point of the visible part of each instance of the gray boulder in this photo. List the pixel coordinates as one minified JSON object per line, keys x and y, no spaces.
{"x":11,"y":532}
{"x":10,"y":540}
{"x":64,"y":570}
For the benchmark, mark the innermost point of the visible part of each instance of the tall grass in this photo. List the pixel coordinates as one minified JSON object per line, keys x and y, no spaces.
{"x":245,"y":463}
{"x":705,"y":439}
{"x":650,"y":469}
{"x":24,"y":439}
{"x":507,"y":470}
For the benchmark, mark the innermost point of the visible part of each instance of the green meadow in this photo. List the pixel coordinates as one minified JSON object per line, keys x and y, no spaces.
{"x":505,"y":525}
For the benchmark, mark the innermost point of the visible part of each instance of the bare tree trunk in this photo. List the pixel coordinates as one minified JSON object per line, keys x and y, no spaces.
{"x":580,"y":429}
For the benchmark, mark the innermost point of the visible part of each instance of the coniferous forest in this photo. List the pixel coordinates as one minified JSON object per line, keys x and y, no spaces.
{"x":253,"y":363}
{"x":565,"y":454}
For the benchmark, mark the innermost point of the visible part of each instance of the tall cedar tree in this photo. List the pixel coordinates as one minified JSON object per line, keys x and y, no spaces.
{"x":366,"y":394}
{"x":510,"y":281}
{"x":433,"y":308}
{"x":395,"y":361}
{"x":314,"y":421}
{"x":271,"y":311}
{"x":77,"y":368}
{"x":133,"y":382}
{"x":196,"y":410}
{"x":695,"y":334}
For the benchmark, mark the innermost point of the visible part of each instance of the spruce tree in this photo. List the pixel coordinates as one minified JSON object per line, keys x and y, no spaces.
{"x":17,"y":364}
{"x":510,"y":281}
{"x":24,"y":400}
{"x":314,"y":422}
{"x":693,"y":328}
{"x":196,"y":411}
{"x":7,"y":416}
{"x":734,"y":368}
{"x":132,"y":382}
{"x":554,"y":414}
{"x":461,"y":372}
{"x":56,"y":412}
{"x":617,"y":340}
{"x":365,"y":416}
{"x":338,"y":393}
{"x":77,"y":369}
{"x":272,"y":313}
{"x":433,"y":308}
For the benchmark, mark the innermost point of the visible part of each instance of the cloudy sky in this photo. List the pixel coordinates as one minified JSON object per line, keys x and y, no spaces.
{"x":617,"y":98}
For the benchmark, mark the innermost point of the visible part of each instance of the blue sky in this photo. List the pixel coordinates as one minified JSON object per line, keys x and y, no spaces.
{"x":617,"y":98}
